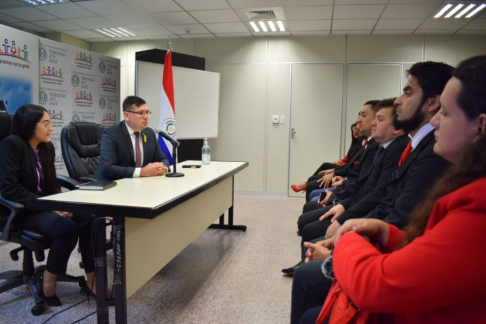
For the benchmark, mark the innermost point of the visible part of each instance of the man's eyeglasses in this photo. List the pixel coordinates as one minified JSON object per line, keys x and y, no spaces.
{"x":140,"y":113}
{"x":46,"y":124}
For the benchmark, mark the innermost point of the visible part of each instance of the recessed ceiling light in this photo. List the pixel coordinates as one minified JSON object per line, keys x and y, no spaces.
{"x":475,"y":11}
{"x":254,"y":26}
{"x":464,"y":11}
{"x":44,"y":2}
{"x":443,"y":10}
{"x":272,"y":26}
{"x":281,"y":26}
{"x":453,"y":11}
{"x":115,"y":32}
{"x":263,"y":26}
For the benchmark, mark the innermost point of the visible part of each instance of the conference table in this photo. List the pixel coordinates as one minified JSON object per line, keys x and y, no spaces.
{"x":153,"y":219}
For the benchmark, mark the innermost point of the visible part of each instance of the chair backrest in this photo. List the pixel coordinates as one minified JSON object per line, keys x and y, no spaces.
{"x":6,"y":125}
{"x":80,"y":145}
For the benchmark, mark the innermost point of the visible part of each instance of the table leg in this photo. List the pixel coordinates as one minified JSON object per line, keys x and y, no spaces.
{"x":119,"y":282}
{"x":101,"y":271}
{"x":230,"y":225}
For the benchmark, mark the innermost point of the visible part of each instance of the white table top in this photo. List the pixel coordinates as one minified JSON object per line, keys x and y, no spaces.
{"x":145,"y":194}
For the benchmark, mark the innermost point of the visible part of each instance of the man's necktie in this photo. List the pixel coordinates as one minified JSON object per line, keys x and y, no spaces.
{"x":138,"y":154}
{"x":406,"y":153}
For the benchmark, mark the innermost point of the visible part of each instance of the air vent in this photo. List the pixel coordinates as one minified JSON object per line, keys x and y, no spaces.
{"x":261,"y":15}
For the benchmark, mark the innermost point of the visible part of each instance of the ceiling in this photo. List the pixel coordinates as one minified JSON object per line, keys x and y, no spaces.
{"x":161,"y":19}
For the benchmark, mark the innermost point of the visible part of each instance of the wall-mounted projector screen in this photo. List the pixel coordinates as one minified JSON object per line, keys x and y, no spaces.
{"x":196,"y":98}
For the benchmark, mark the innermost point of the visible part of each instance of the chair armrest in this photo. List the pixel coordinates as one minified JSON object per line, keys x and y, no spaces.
{"x":67,"y":182}
{"x":86,"y":179}
{"x":14,"y":208}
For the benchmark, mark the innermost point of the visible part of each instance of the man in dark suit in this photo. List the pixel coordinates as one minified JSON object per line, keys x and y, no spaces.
{"x":130,"y":149}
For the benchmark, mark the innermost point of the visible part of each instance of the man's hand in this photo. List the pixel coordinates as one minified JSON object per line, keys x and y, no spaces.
{"x":377,"y":230}
{"x":64,"y":214}
{"x":153,"y":170}
{"x":337,"y":181}
{"x":337,"y":162}
{"x":332,"y":229}
{"x":335,"y":211}
{"x":325,"y":181}
{"x":316,"y":252}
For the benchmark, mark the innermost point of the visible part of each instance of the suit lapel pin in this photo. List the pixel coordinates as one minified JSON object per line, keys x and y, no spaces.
{"x":144,"y":138}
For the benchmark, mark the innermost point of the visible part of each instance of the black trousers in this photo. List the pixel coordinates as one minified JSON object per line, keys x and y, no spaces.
{"x":310,"y":227}
{"x":64,"y":233}
{"x":309,"y":290}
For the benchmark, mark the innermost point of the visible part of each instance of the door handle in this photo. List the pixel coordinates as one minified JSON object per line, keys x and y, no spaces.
{"x":292,"y":133}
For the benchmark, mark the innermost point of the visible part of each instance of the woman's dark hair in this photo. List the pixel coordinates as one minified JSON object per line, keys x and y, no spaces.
{"x":354,"y":139}
{"x":24,"y":124}
{"x":472,"y":165}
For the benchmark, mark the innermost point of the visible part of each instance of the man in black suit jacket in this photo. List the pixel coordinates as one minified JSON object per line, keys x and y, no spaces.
{"x":118,"y":157}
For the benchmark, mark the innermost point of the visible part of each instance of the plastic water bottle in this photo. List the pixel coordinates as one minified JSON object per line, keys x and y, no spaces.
{"x":206,"y":153}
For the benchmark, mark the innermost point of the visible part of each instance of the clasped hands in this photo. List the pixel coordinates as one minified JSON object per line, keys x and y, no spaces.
{"x":153,"y":170}
{"x":373,"y":230}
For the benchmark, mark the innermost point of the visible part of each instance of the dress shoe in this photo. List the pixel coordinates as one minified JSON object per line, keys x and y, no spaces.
{"x":290,"y":271}
{"x":294,"y":188}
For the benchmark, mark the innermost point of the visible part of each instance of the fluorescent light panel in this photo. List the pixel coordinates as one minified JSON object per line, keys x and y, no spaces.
{"x":453,"y":11}
{"x":262,"y":24}
{"x":464,"y":11}
{"x":443,"y":11}
{"x":44,"y":2}
{"x":475,"y":11}
{"x":115,"y":32}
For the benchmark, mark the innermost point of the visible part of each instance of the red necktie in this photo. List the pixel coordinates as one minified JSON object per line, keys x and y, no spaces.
{"x":138,"y":154}
{"x":406,"y":153}
{"x":365,"y":142}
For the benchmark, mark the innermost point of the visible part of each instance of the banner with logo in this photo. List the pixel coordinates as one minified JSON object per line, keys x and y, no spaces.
{"x":77,"y":85}
{"x":19,"y":69}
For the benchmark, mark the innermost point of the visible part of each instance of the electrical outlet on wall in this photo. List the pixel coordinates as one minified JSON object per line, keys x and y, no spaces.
{"x":275,"y":119}
{"x":282,"y":119}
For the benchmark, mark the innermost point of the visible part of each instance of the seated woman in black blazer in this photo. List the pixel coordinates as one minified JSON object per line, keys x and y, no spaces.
{"x":27,"y":172}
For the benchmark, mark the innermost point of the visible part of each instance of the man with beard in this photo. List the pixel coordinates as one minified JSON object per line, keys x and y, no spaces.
{"x":419,"y":167}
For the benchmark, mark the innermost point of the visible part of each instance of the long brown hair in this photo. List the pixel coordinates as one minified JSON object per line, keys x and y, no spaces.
{"x":472,"y":165}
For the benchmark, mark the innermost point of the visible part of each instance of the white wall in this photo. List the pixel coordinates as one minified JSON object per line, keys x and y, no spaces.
{"x":256,"y":79}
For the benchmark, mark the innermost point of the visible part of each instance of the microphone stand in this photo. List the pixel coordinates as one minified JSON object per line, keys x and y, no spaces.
{"x":174,"y":174}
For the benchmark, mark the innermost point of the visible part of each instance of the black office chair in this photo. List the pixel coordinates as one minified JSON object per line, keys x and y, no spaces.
{"x":80,"y":145}
{"x":30,"y":242}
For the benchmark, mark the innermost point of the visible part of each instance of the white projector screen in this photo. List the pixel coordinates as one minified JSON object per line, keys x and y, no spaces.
{"x":196,"y":99}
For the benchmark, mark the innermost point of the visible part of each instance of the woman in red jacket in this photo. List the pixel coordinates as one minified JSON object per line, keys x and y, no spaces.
{"x":433,"y":272}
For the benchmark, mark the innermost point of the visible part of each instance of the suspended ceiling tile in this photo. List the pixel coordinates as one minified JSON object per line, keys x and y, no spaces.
{"x":30,"y":26}
{"x":409,"y":11}
{"x":215,"y":16}
{"x":136,"y":20}
{"x":202,"y":5}
{"x":222,"y":35}
{"x":172,"y":18}
{"x":57,"y":25}
{"x":27,"y":14}
{"x":291,"y":3}
{"x":154,"y":5}
{"x":94,"y":22}
{"x":351,"y":32}
{"x":391,"y":24}
{"x":353,"y":24}
{"x":84,"y":34}
{"x":311,"y":12}
{"x":227,"y":27}
{"x":192,"y":28}
{"x":308,"y":25}
{"x":254,"y":3}
{"x":444,"y":23}
{"x":435,"y":31}
{"x":198,"y":36}
{"x":150,"y":31}
{"x":478,"y":24}
{"x":358,"y":11}
{"x":66,"y":10}
{"x":8,"y":19}
{"x":108,"y":7}
{"x":393,"y":32}
{"x":311,"y":33}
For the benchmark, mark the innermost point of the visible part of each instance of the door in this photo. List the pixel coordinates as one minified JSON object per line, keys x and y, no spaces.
{"x":316,"y":117}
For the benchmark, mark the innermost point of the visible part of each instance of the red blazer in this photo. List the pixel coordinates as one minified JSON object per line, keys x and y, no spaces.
{"x":438,"y":278}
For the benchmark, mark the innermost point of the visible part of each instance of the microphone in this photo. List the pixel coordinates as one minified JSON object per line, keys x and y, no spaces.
{"x":167,"y":137}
